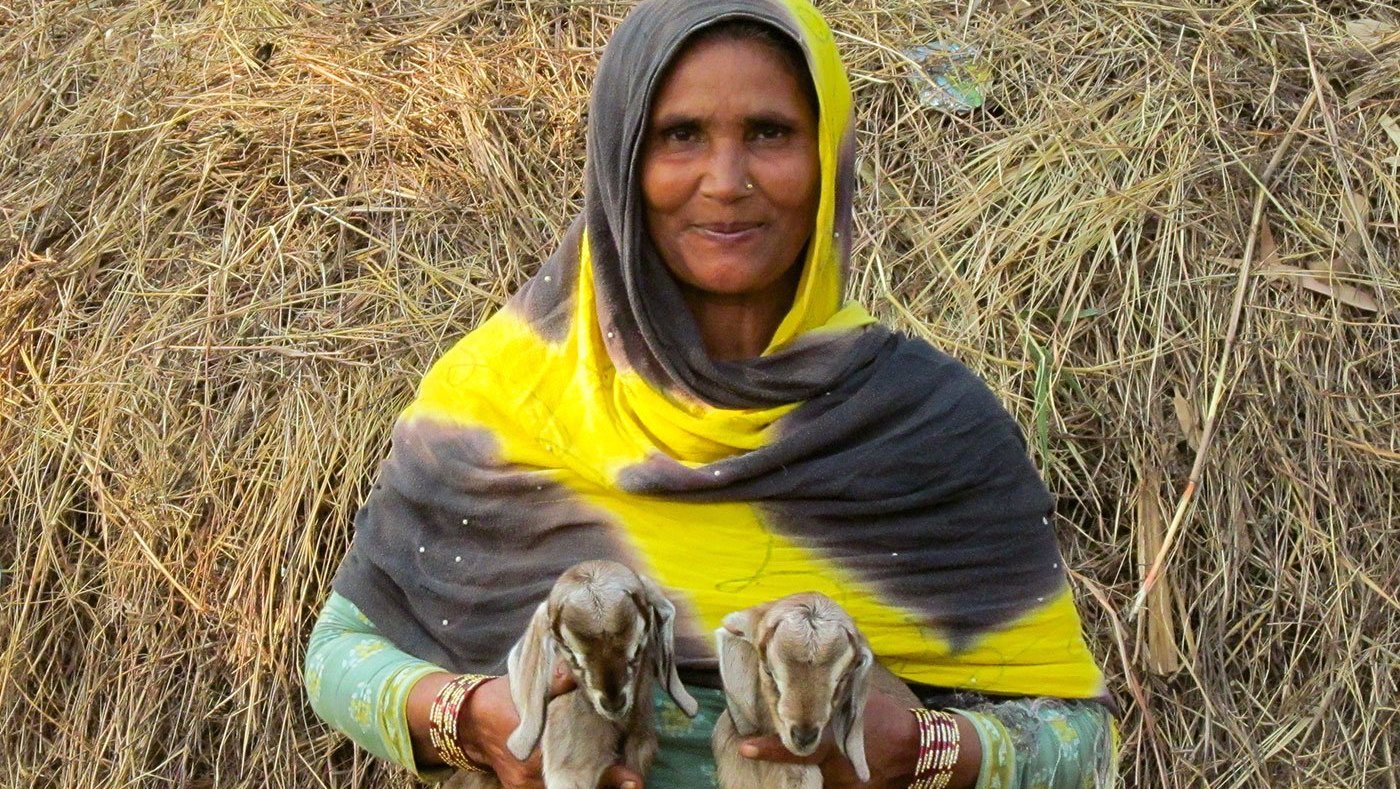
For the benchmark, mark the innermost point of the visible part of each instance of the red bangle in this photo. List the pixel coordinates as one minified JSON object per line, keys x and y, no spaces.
{"x":939,"y":744}
{"x":442,"y":721}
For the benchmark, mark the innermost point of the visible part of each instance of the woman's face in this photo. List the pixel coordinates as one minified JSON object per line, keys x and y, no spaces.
{"x":730,"y":170}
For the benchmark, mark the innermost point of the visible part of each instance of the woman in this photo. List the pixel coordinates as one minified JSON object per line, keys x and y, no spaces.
{"x":681,"y":388}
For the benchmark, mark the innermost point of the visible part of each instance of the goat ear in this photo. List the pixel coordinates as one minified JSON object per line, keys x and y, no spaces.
{"x":531,"y":666}
{"x":663,"y":646}
{"x":737,"y":625}
{"x":744,"y":624}
{"x":738,"y":669}
{"x":848,"y":722}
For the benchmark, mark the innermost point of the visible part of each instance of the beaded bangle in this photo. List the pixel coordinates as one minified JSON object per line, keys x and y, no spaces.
{"x":939,"y":744}
{"x":443,"y":717}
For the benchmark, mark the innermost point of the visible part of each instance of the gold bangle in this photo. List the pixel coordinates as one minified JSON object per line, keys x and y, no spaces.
{"x":939,"y":745}
{"x":443,"y":716}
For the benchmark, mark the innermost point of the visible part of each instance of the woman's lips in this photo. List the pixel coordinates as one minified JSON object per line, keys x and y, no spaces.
{"x":728,"y":232}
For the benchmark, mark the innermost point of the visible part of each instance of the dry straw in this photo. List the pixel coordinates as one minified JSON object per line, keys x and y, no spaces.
{"x":233,"y":235}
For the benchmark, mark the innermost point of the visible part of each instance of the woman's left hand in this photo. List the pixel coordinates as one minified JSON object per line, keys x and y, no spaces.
{"x":891,"y":748}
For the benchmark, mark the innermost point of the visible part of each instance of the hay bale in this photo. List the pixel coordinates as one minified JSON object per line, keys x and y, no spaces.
{"x":233,"y":235}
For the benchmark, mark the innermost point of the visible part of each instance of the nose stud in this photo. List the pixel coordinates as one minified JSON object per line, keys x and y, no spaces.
{"x":749,"y":185}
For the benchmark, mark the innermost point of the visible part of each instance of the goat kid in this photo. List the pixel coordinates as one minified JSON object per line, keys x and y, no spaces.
{"x":791,"y":667}
{"x":615,"y":631}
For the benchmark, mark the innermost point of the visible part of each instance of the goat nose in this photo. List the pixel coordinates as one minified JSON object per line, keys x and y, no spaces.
{"x":615,"y":704}
{"x":805,"y":737}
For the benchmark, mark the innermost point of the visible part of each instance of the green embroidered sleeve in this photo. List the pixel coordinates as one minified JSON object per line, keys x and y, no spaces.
{"x":1045,"y":743}
{"x":358,"y":682}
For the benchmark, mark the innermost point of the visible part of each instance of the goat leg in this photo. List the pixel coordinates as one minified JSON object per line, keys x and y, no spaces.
{"x":464,"y":779}
{"x":579,"y":744}
{"x":737,"y":772}
{"x":639,"y":746}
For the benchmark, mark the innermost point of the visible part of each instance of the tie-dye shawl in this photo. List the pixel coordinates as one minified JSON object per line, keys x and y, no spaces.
{"x":585,"y":420}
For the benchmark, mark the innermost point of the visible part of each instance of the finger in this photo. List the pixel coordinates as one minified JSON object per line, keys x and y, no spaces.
{"x":619,"y":777}
{"x":562,"y":682}
{"x":519,"y":779}
{"x":771,"y":749}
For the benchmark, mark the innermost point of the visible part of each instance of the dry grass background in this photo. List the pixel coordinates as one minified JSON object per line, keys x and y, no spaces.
{"x":233,"y":234}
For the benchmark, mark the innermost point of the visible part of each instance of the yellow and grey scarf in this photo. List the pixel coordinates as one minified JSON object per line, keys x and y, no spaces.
{"x":585,"y":420}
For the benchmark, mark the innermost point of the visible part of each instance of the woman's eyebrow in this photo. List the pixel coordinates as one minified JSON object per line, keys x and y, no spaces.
{"x":771,"y":117}
{"x":758,"y":117}
{"x":672,"y":119}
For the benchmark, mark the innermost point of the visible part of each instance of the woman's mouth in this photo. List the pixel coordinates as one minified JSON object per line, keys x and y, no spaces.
{"x":728,"y":232}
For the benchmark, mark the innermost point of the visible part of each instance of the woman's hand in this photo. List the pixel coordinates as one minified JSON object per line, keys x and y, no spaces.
{"x":489,"y":719}
{"x":891,"y":748}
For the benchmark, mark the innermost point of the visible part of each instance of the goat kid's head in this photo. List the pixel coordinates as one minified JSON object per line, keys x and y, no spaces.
{"x":602,"y":632}
{"x":609,"y":625}
{"x":803,"y":659}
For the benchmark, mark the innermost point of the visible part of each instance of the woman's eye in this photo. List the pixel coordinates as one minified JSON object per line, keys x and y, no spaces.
{"x":771,"y":131}
{"x":680,"y":134}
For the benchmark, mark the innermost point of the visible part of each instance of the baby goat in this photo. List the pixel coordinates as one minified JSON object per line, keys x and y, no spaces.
{"x":615,"y":631}
{"x":789,"y":668}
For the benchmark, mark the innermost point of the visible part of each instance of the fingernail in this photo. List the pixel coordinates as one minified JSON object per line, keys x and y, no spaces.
{"x":629,"y":785}
{"x":748,"y":750}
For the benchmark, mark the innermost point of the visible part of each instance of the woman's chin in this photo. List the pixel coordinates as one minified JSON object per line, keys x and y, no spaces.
{"x":732,"y":274}
{"x":724,"y":283}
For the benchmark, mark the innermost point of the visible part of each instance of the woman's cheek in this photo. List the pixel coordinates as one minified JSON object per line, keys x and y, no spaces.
{"x":793,"y":180}
{"x":666,"y":186}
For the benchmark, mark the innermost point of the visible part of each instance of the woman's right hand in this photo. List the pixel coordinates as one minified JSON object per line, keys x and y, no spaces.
{"x":488,"y":721}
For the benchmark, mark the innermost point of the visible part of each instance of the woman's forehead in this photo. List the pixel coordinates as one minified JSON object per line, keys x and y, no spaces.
{"x":743,"y":77}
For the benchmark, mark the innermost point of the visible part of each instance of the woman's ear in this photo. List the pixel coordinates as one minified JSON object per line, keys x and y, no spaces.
{"x":663,"y":644}
{"x":531,"y":667}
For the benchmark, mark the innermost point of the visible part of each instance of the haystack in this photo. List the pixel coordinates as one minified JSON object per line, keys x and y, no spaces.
{"x":233,"y":235}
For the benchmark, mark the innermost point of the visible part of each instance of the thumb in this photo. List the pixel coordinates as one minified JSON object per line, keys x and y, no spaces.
{"x":562,"y":682}
{"x":771,"y":749}
{"x":619,"y":777}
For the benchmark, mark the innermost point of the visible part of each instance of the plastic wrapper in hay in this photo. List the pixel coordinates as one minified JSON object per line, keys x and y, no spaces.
{"x":951,"y":77}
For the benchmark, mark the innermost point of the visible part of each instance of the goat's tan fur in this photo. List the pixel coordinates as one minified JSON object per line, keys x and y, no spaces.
{"x":614,"y":630}
{"x":791,"y":667}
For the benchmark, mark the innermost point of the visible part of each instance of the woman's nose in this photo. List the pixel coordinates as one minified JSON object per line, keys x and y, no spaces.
{"x":726,"y":174}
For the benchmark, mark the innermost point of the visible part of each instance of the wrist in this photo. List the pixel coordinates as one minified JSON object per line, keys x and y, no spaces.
{"x":905,"y":753}
{"x":420,"y":701}
{"x":940,"y":741}
{"x":444,"y":721}
{"x":470,"y":717}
